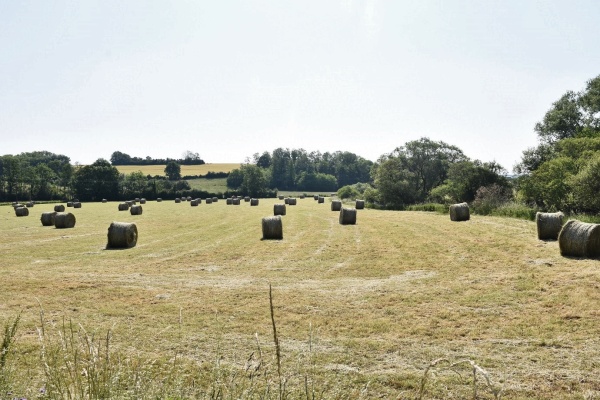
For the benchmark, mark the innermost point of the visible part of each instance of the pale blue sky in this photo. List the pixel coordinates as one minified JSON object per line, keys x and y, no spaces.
{"x":228,"y":79}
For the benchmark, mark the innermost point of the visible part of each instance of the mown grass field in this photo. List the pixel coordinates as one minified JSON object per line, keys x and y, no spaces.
{"x":217,"y":185}
{"x":360,"y":310}
{"x":185,"y":169}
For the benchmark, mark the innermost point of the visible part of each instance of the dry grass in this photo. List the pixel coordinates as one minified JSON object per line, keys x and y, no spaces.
{"x":185,"y":169}
{"x":381,"y":300}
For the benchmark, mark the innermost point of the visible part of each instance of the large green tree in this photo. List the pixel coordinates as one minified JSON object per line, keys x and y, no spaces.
{"x":97,"y":181}
{"x":173,"y":171}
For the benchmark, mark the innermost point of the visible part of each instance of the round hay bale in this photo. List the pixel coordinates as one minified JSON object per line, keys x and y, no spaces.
{"x":77,"y":205}
{"x":253,"y":202}
{"x":286,"y":200}
{"x":129,"y":203}
{"x":137,"y":199}
{"x":136,"y":210}
{"x":142,"y":201}
{"x":292,"y":201}
{"x":215,"y":199}
{"x":104,"y":200}
{"x":316,"y":197}
{"x":123,"y":206}
{"x":360,"y":204}
{"x":579,"y":239}
{"x":29,"y":204}
{"x":321,"y":199}
{"x":347,"y":216}
{"x":208,"y":200}
{"x":272,"y":227}
{"x":247,"y":199}
{"x":548,"y":225}
{"x":279,"y":209}
{"x":158,"y":199}
{"x":236,"y":201}
{"x":280,"y":197}
{"x":122,"y":235}
{"x":194,"y":203}
{"x":17,"y":205}
{"x":69,"y":204}
{"x":177,"y":200}
{"x":59,"y":208}
{"x":336,"y":205}
{"x":48,"y":218}
{"x":21,"y":211}
{"x":459,"y":212}
{"x":333,"y":194}
{"x":229,"y":201}
{"x":302,"y":196}
{"x":64,"y":220}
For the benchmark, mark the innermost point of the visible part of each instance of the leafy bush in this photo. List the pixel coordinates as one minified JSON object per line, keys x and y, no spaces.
{"x":489,"y":198}
{"x":430,"y":207}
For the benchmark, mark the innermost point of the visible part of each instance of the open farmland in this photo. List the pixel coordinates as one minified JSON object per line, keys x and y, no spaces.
{"x":185,"y":169}
{"x":361,"y":310}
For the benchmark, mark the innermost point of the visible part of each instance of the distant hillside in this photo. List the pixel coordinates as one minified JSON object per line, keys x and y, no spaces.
{"x":185,"y":169}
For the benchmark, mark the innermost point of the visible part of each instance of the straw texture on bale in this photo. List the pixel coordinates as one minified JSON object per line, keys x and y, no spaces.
{"x":21,"y":211}
{"x":360,"y":204}
{"x":253,"y":202}
{"x":236,"y":201}
{"x":272,"y":228}
{"x":292,"y":201}
{"x":59,"y":208}
{"x":177,"y":200}
{"x":316,"y":197}
{"x":247,"y":199}
{"x":158,"y":199}
{"x":459,"y":212}
{"x":69,"y":204}
{"x":136,"y":210}
{"x":209,"y":200}
{"x":336,"y":205}
{"x":286,"y":200}
{"x":194,"y":203}
{"x":348,"y":216}
{"x":279,"y":209}
{"x":104,"y":200}
{"x":548,"y":225}
{"x":48,"y":218}
{"x":29,"y":205}
{"x":321,"y":199}
{"x":579,"y":239}
{"x":64,"y":220}
{"x":215,"y":199}
{"x":280,"y":197}
{"x":229,"y":201}
{"x":142,"y":201}
{"x":122,"y":235}
{"x":123,"y":206}
{"x":77,"y":205}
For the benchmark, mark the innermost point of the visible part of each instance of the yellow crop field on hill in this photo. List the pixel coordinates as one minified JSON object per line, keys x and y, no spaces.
{"x":401,"y":305}
{"x":185,"y":169}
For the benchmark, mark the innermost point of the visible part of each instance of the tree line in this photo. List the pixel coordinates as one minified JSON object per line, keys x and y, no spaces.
{"x":188,"y":158}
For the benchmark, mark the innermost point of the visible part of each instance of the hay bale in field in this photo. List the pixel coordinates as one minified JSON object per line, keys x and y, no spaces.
{"x":136,"y":210}
{"x":122,"y":235}
{"x":69,"y":204}
{"x":130,"y":203}
{"x":77,"y":205}
{"x":348,"y":216}
{"x":29,"y":204}
{"x":286,"y":200}
{"x":142,"y":201}
{"x":272,"y":228}
{"x":279,"y":209}
{"x":21,"y":211}
{"x":459,"y":212}
{"x":64,"y":220}
{"x":189,"y":198}
{"x":280,"y":197}
{"x":316,"y":197}
{"x":158,"y":200}
{"x":247,"y":199}
{"x":321,"y":199}
{"x":292,"y":201}
{"x":215,"y":199}
{"x":336,"y":205}
{"x":579,"y":239}
{"x":123,"y":206}
{"x":302,"y":196}
{"x":360,"y":204}
{"x":548,"y":225}
{"x":48,"y":218}
{"x":253,"y":202}
{"x":104,"y":200}
{"x":229,"y":201}
{"x":59,"y":208}
{"x":194,"y":203}
{"x":177,"y":200}
{"x":17,"y":205}
{"x":208,"y":200}
{"x":236,"y":201}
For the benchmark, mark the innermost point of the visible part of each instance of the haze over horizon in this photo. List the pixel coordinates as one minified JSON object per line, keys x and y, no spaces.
{"x":229,"y":79}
